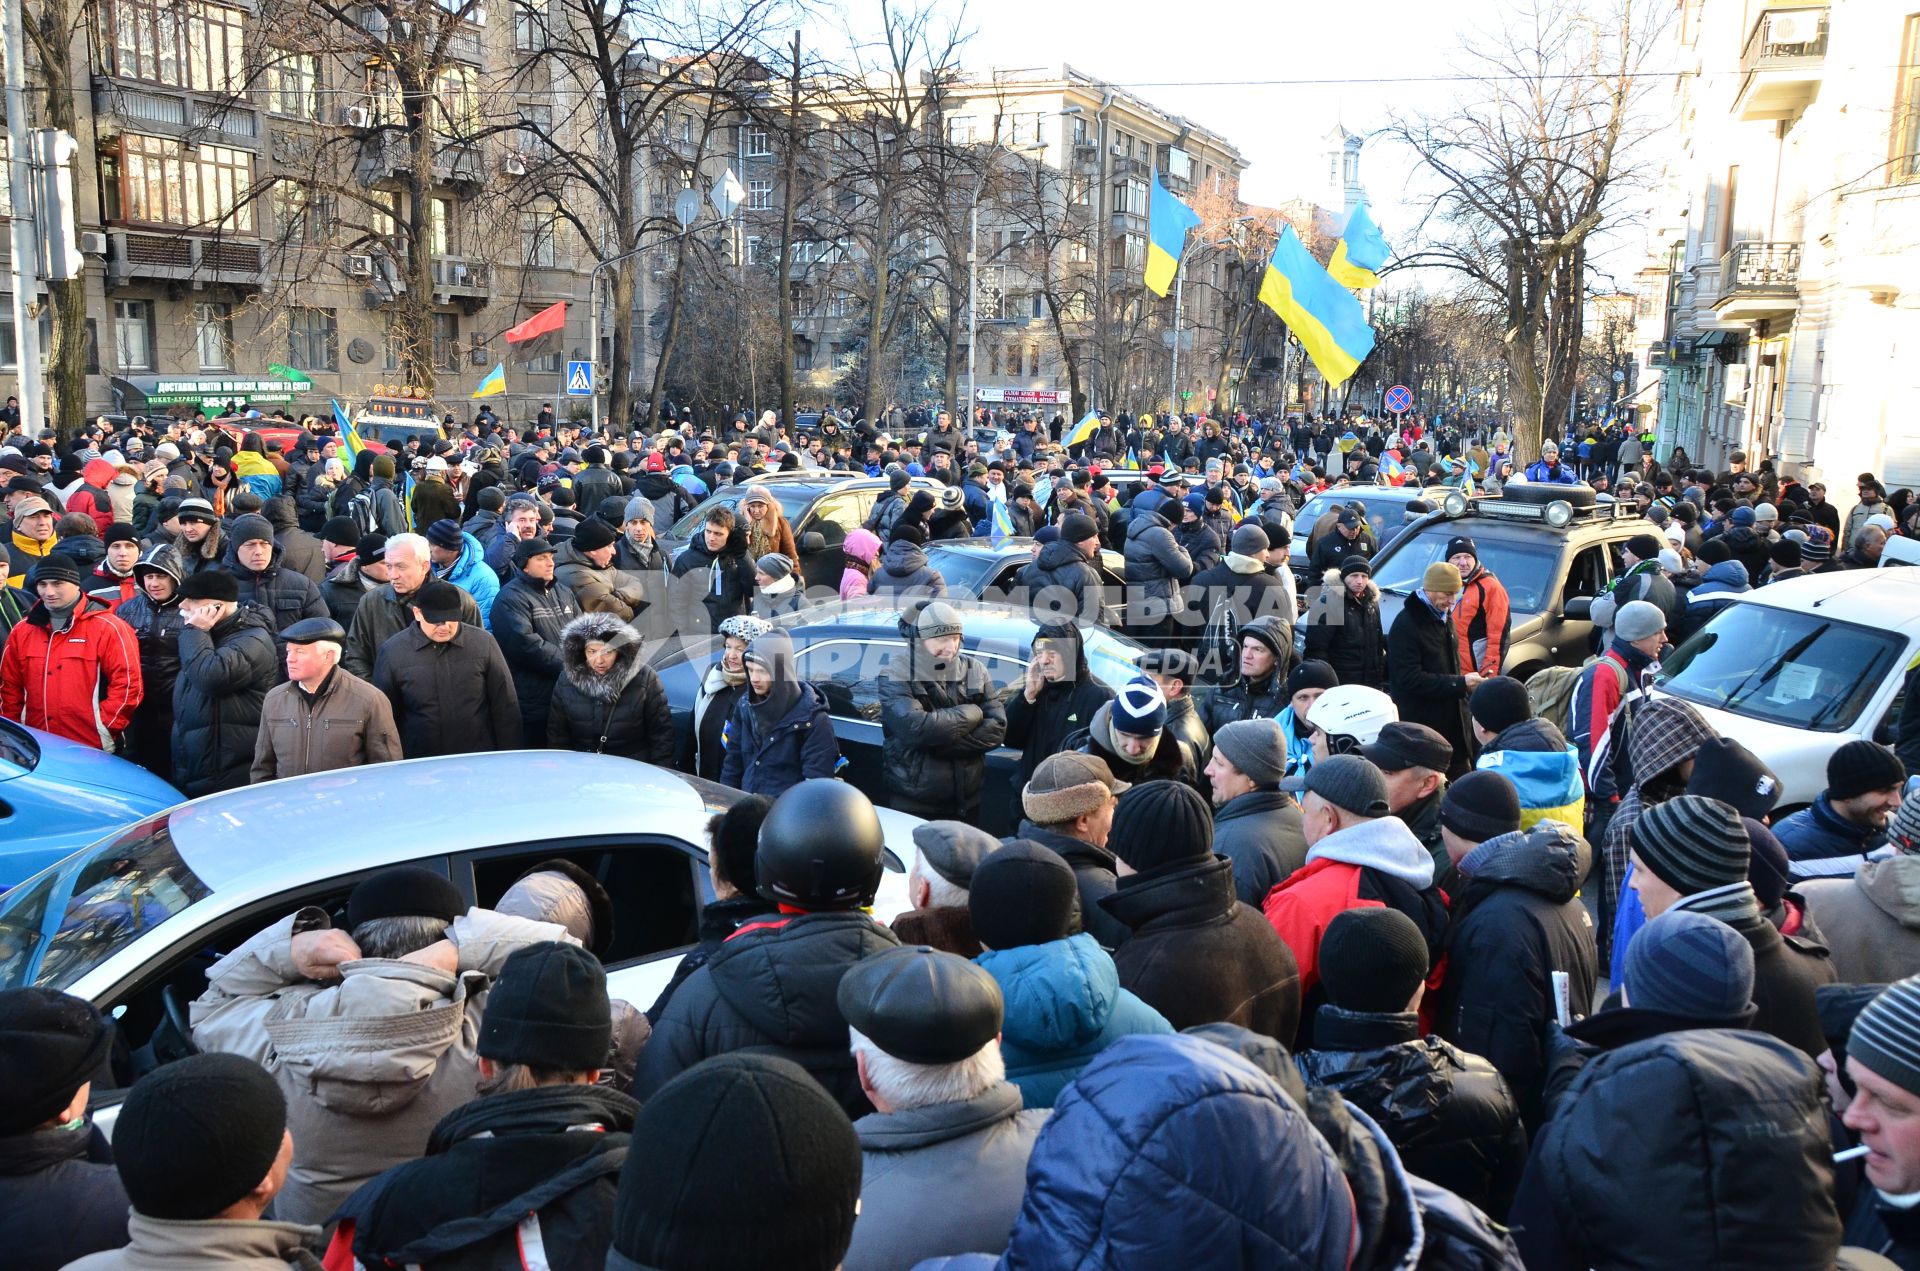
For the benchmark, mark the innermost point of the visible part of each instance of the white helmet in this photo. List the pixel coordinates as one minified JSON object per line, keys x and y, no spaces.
{"x":1353,"y":710}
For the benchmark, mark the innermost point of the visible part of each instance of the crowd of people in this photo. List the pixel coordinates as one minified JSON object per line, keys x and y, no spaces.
{"x":1318,"y":942}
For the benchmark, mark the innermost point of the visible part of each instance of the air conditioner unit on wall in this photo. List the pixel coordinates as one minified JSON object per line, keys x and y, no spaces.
{"x":357,"y":117}
{"x":93,"y":242}
{"x":516,"y":165}
{"x":359,"y":265}
{"x":1791,"y":27}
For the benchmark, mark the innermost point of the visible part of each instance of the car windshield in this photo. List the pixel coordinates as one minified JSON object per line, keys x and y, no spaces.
{"x":1524,"y":568}
{"x":1110,"y":661}
{"x":965,"y":573}
{"x":1383,"y":508}
{"x":394,"y":435}
{"x":793,"y":502}
{"x":68,"y":919}
{"x":1798,"y":669}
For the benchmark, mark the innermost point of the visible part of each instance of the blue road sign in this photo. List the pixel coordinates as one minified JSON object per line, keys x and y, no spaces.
{"x":1399,"y":400}
{"x":579,"y":379}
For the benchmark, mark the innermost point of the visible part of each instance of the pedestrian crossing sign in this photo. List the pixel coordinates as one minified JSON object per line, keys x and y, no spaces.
{"x":579,"y":379}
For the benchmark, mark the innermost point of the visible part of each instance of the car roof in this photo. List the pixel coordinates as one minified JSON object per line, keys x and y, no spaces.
{"x":424,"y":807}
{"x":1887,"y":598}
{"x":981,"y":546}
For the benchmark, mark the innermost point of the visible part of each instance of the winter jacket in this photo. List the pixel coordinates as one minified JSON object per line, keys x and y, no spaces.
{"x":1870,"y":922}
{"x":369,"y":1064}
{"x":1260,"y":832}
{"x":771,"y":988}
{"x":381,"y":615}
{"x":107,"y":587}
{"x":1425,"y":676}
{"x":1344,"y":632}
{"x":1484,"y":622}
{"x":299,"y":550}
{"x":224,"y":677}
{"x":771,"y":757}
{"x":1200,"y":542}
{"x":712,"y":710}
{"x":912,"y":1160}
{"x":596,"y":482}
{"x":528,"y":617}
{"x":1064,"y":707}
{"x":1721,"y":586}
{"x":92,"y":495}
{"x":1821,"y":843}
{"x":1516,"y":920}
{"x":449,"y":698}
{"x":505,"y":1173}
{"x":1241,"y":698}
{"x":1095,"y":872}
{"x":157,"y":628}
{"x":1544,"y":769}
{"x":1198,"y":955}
{"x":903,"y":573}
{"x":937,"y":730}
{"x":159,"y":1244}
{"x":1665,"y":733}
{"x":60,"y":1197}
{"x":347,"y":723}
{"x":1613,"y":677}
{"x":209,"y":553}
{"x":1787,"y":970}
{"x":1063,"y":1005}
{"x":623,"y":712}
{"x":1725,"y":1128}
{"x":1449,"y":1113}
{"x":598,"y":589}
{"x":1885,"y":1229}
{"x":1169,"y":760}
{"x":1189,"y":730}
{"x":863,"y":546}
{"x":284,"y":596}
{"x":1061,"y":584}
{"x":471,"y":574}
{"x":719,"y":919}
{"x":709,"y":589}
{"x":1237,"y":591}
{"x":342,"y":589}
{"x":1156,"y":564}
{"x":1645,"y":581}
{"x":81,"y":683}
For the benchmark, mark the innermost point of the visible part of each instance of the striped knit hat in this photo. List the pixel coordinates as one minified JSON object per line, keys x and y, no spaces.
{"x":1692,"y":844}
{"x":1687,"y":964}
{"x":1904,"y":833}
{"x":1886,"y":1037}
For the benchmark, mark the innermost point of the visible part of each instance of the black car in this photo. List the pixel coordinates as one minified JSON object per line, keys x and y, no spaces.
{"x":844,"y":648}
{"x":989,"y":569}
{"x":1551,"y":567}
{"x":823,"y":508}
{"x":1386,"y":514}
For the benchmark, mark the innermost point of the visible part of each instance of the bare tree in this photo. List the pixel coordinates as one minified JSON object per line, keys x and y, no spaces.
{"x":1531,"y":170}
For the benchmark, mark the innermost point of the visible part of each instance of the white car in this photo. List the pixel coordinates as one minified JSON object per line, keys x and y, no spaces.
{"x":133,"y":922}
{"x":1796,"y":669}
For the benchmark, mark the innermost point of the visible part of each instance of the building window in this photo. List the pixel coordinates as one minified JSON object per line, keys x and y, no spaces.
{"x":296,"y":214}
{"x":1906,"y":105}
{"x":458,"y":93}
{"x":960,"y":130}
{"x":1080,"y":135}
{"x":530,"y":24}
{"x":757,"y":141}
{"x":313,"y":340}
{"x":164,"y":183}
{"x":133,"y":334}
{"x":1077,"y":252}
{"x":753,"y":249}
{"x":213,"y":336}
{"x":759,"y":196}
{"x":446,"y":341}
{"x":188,"y":44}
{"x":537,"y":139}
{"x":538,"y":225}
{"x":839,"y":303}
{"x":293,"y":85}
{"x":441,"y":228}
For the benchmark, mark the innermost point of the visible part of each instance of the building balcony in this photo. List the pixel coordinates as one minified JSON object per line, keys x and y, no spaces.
{"x":1086,"y":155}
{"x":385,"y":154}
{"x":1782,"y":63}
{"x":462,"y":280}
{"x":1758,"y":281}
{"x":176,"y":112}
{"x":141,"y":256}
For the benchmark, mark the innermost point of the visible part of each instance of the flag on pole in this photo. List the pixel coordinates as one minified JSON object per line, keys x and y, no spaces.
{"x":1328,"y":321}
{"x":1042,"y":491}
{"x":299,"y":379}
{"x":1133,"y":460}
{"x":1168,"y":220}
{"x":539,"y":335}
{"x":1362,"y":251}
{"x":1083,"y":430}
{"x":349,"y":435}
{"x":494,"y":384}
{"x":727,"y":193}
{"x":1002,"y":520}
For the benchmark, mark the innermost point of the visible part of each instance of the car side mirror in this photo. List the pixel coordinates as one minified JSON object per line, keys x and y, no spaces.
{"x":1578,"y":609}
{"x":811,"y":542}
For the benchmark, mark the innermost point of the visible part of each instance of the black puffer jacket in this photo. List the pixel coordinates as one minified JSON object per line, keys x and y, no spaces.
{"x":60,"y":1198}
{"x":1344,"y":632}
{"x":623,"y":712}
{"x":343,"y":589}
{"x":1425,"y":678}
{"x":902,"y":570}
{"x":1516,"y":920}
{"x":157,"y":628}
{"x":284,"y":595}
{"x":1063,"y":707}
{"x":1241,"y":698}
{"x":454,"y":698}
{"x":938,"y":727}
{"x":554,"y":1151}
{"x":224,"y":676}
{"x":528,"y":617}
{"x":773,"y":990}
{"x":1705,"y":1147}
{"x":1201,"y":544}
{"x":1062,"y":584}
{"x":1156,"y":563}
{"x":299,"y":550}
{"x":1199,"y":956}
{"x":1448,"y":1112}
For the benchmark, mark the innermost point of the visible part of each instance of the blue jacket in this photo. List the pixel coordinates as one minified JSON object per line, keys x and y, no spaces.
{"x":1559,"y":474}
{"x":473,"y":575}
{"x":1729,"y":577}
{"x":1822,"y":843}
{"x":773,"y":761}
{"x":1064,"y":1005}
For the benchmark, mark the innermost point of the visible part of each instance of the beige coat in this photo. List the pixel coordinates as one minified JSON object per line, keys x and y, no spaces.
{"x":368,"y":1065}
{"x":163,"y":1244}
{"x":349,"y":724}
{"x":1870,"y":921}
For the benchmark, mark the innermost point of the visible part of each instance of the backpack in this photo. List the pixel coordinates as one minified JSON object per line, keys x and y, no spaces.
{"x":1550,"y":690}
{"x":365,"y":518}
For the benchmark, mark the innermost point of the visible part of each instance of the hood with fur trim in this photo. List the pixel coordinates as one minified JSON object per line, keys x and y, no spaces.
{"x":586,"y":629}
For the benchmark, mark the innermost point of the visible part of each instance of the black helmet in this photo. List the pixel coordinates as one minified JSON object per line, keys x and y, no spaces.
{"x":820,"y":847}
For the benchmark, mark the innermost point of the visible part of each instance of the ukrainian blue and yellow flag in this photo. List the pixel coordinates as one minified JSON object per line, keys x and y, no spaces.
{"x":1329,"y":322}
{"x":349,"y":435}
{"x":1001,"y":520}
{"x":1362,"y":251}
{"x":1081,"y":431}
{"x":494,"y":384}
{"x":1547,"y":781}
{"x":1168,"y":220}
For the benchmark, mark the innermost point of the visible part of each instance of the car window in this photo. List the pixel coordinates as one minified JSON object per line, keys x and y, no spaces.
{"x":847,"y":672}
{"x":1525,"y":568}
{"x":1588,"y":575}
{"x":1006,"y":673}
{"x":651,"y":884}
{"x":838,"y":514}
{"x":689,"y":525}
{"x":1797,"y":669}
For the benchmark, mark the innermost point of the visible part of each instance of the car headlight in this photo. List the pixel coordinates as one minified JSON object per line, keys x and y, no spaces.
{"x":1559,"y":513}
{"x":1454,"y":505}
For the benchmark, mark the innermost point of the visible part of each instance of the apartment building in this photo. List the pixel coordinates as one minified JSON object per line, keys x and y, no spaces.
{"x":1780,"y":300}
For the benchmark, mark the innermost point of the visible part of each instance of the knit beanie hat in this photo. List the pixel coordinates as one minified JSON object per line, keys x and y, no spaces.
{"x":1769,"y":868}
{"x":1785,"y":554}
{"x":445,"y":534}
{"x":59,"y":568}
{"x":1645,"y":546}
{"x":1247,"y":539}
{"x":383,"y":466}
{"x":748,"y":1163}
{"x":1256,"y":747}
{"x":1500,"y":703}
{"x":593,"y":535}
{"x":1355,"y":565}
{"x":196,"y":1135}
{"x":937,"y":618}
{"x":905,"y":531}
{"x":1139,"y":709}
{"x":1372,"y":960}
{"x":1161,"y":823}
{"x":251,"y":528}
{"x":1442,"y":577}
{"x":548,"y":1009}
{"x":1686,"y":964}
{"x":1638,"y":619}
{"x":1861,"y":767}
{"x":1886,"y":1037}
{"x":51,"y":1044}
{"x":1692,"y":844}
{"x":212,"y":584}
{"x":775,"y":565}
{"x":1023,"y":894}
{"x":637,"y":508}
{"x":1313,"y":673}
{"x":1481,"y":805}
{"x":341,"y":532}
{"x":1078,"y":527}
{"x":1818,"y":549}
{"x":1723,"y":769}
{"x":1904,"y":833}
{"x":1459,"y":544}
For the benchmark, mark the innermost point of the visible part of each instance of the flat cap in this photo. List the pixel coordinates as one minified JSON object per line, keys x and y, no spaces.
{"x":310,"y":630}
{"x":922,"y":1005}
{"x":1402,"y":745}
{"x":952,"y":849}
{"x":438,"y":601}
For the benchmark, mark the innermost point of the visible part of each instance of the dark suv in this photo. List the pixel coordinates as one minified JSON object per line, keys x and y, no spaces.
{"x":1554,"y":548}
{"x":821,"y":507}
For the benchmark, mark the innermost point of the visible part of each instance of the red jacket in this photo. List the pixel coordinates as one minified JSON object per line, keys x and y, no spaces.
{"x":108,"y":587}
{"x":91,"y":497}
{"x":75,"y":683}
{"x":1482,"y":613}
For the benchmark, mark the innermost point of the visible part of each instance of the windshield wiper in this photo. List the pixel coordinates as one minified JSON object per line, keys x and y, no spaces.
{"x":1792,"y":651}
